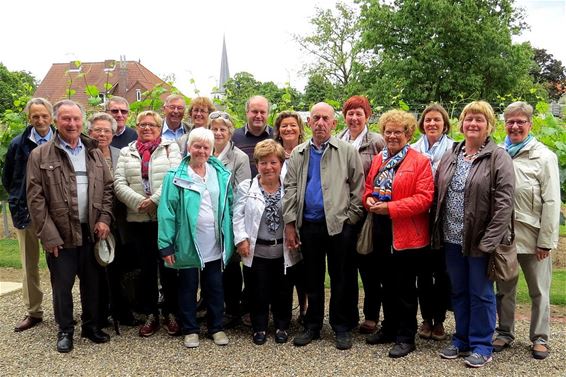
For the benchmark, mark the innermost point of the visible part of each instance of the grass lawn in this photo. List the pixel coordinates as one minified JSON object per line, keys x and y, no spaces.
{"x":10,"y":254}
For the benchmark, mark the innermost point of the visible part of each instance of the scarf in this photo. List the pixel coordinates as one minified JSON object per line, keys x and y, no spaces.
{"x":145,"y":150}
{"x":513,"y":149}
{"x":272,"y":215}
{"x":383,"y":183}
{"x":358,"y":142}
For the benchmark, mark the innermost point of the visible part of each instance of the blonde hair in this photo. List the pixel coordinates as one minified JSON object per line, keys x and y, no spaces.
{"x":149,"y":113}
{"x":407,"y":120}
{"x":267,"y":148}
{"x":479,"y":107}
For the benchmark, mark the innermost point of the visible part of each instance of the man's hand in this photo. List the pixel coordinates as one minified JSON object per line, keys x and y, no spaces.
{"x":542,"y":254}
{"x":101,"y":230}
{"x":54,"y":250}
{"x":291,"y":237}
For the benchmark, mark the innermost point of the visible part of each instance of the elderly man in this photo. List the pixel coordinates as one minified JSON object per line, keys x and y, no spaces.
{"x":37,"y":132}
{"x":69,"y":194}
{"x":322,"y":202}
{"x":174,"y":111}
{"x":255,"y":130}
{"x":119,"y":109}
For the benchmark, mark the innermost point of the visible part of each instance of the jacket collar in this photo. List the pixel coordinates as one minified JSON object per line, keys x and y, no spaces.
{"x":332,"y":142}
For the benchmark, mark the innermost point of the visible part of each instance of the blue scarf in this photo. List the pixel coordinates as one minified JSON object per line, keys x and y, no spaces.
{"x":513,"y":149}
{"x":383,"y":182}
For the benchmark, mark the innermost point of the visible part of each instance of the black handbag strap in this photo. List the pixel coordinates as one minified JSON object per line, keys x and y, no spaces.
{"x":492,"y":193}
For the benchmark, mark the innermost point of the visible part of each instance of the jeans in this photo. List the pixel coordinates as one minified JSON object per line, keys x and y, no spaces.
{"x":473,"y":301}
{"x":211,"y":285}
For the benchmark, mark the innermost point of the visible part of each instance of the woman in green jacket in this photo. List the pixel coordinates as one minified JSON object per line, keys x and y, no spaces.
{"x":195,"y":233}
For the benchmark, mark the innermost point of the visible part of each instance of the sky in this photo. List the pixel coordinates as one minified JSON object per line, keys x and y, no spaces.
{"x":183,"y":39}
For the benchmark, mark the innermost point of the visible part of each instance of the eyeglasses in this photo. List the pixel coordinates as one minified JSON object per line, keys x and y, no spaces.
{"x":173,"y":108}
{"x":394,"y":133}
{"x":202,"y":111}
{"x":148,"y":125}
{"x":520,"y":123}
{"x":118,"y":111}
{"x":219,"y":114}
{"x":101,"y":130}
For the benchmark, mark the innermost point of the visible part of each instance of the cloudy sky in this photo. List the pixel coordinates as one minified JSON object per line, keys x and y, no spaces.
{"x":184,"y":38}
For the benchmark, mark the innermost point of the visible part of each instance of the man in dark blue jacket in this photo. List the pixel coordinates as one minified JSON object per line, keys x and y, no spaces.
{"x":39,"y":131}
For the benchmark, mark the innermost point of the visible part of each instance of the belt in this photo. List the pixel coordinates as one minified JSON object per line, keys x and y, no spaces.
{"x":259,"y":241}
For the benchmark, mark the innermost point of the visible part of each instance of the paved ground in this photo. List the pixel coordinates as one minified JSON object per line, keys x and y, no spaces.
{"x":33,"y":353}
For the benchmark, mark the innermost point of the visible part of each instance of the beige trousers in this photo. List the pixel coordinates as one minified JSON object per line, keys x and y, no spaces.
{"x":29,"y":252}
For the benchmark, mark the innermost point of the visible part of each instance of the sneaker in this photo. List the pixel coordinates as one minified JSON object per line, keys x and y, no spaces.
{"x":425,"y":330}
{"x":220,"y":338}
{"x":171,"y":325}
{"x":380,"y":337}
{"x":306,"y":337}
{"x":191,"y":341}
{"x":475,"y":360}
{"x":540,"y":351}
{"x":401,"y":350}
{"x":344,"y":340}
{"x":438,"y":332}
{"x":452,"y":352}
{"x":281,"y":336}
{"x":259,"y":338}
{"x":150,"y":326}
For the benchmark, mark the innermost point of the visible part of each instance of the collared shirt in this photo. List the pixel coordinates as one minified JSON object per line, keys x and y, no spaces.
{"x":68,"y":148}
{"x":120,"y":132}
{"x":38,"y":139}
{"x":266,"y":129}
{"x":322,"y":148}
{"x":169,"y":134}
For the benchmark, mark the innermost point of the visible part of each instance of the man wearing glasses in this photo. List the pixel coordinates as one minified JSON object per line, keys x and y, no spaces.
{"x":119,"y":109}
{"x":174,"y":111}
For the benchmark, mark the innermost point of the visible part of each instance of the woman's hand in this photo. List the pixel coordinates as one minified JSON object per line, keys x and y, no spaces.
{"x":377,"y":207}
{"x":243,"y":248}
{"x":169,"y":259}
{"x":147,"y":206}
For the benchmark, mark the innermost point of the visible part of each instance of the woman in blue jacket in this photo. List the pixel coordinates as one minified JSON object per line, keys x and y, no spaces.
{"x":195,"y":233}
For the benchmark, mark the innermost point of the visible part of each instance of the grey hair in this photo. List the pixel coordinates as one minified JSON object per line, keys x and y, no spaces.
{"x":102,"y":116}
{"x":201,"y":134}
{"x":258,"y":97}
{"x":39,"y":101}
{"x":173,"y":97}
{"x":66,"y":102}
{"x":519,"y":107}
{"x":116,"y":99}
{"x":226,"y":122}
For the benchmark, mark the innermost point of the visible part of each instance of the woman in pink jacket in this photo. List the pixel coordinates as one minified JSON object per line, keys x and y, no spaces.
{"x":399,"y":192}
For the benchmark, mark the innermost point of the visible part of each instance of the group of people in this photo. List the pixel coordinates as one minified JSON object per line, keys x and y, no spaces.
{"x":249,"y":214}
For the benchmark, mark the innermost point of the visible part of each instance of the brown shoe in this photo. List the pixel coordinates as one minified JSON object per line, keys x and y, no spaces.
{"x":171,"y":325}
{"x":438,"y":332}
{"x":499,"y":345}
{"x":150,"y":326}
{"x":27,"y":323}
{"x":425,"y":330}
{"x":540,"y":351}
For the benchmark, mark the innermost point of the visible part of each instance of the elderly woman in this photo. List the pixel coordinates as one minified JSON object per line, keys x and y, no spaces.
{"x":537,"y":210}
{"x":470,"y":219}
{"x":102,"y":128}
{"x":258,"y":234}
{"x":357,"y":111}
{"x":137,"y":183}
{"x":195,"y":233}
{"x":432,"y":282}
{"x":398,"y":193}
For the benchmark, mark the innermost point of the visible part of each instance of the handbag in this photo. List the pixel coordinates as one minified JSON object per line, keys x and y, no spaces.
{"x":503,"y":264}
{"x":364,"y":244}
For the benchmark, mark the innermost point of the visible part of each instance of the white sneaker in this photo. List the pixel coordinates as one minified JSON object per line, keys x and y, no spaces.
{"x":191,"y":341}
{"x":220,"y":338}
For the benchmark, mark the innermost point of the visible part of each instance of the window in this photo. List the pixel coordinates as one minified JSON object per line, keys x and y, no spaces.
{"x":138,"y":95}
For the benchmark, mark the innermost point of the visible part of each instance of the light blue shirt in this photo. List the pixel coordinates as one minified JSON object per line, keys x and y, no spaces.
{"x":169,"y":134}
{"x":39,"y":140}
{"x":68,"y":148}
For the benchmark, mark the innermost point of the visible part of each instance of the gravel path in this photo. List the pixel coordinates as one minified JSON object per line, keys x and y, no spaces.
{"x":33,"y":353}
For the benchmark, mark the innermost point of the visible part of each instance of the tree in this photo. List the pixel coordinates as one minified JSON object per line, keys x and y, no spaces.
{"x":444,"y":50}
{"x":549,"y":72}
{"x":335,"y":46}
{"x":14,"y":85}
{"x":318,"y":88}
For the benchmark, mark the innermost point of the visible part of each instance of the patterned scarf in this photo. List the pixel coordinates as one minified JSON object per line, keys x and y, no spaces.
{"x":272,"y":215}
{"x":145,"y":150}
{"x":513,"y":149}
{"x":383,"y":182}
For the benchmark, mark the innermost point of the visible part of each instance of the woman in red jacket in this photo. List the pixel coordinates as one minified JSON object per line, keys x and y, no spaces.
{"x":399,"y":192}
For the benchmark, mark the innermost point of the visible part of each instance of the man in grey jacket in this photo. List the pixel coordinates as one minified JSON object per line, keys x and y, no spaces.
{"x":322,"y":203}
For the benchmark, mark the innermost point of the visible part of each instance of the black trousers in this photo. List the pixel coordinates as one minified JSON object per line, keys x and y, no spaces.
{"x":232,"y":282}
{"x":269,"y":287}
{"x":368,"y":266}
{"x":433,"y":287}
{"x":72,"y":262}
{"x":317,"y":247}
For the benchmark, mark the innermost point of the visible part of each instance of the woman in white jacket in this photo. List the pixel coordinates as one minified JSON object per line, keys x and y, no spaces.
{"x":258,"y":235}
{"x":139,"y":173}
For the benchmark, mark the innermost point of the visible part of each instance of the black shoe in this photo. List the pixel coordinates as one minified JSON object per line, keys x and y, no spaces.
{"x":129,"y":320}
{"x":380,"y":338}
{"x":306,"y":337}
{"x":259,"y":338}
{"x":230,"y":321}
{"x":344,"y":340}
{"x":64,"y":342}
{"x":95,"y":335}
{"x":281,"y":336}
{"x":401,"y":350}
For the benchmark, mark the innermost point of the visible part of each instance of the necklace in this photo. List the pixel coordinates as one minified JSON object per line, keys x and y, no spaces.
{"x":472,"y":156}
